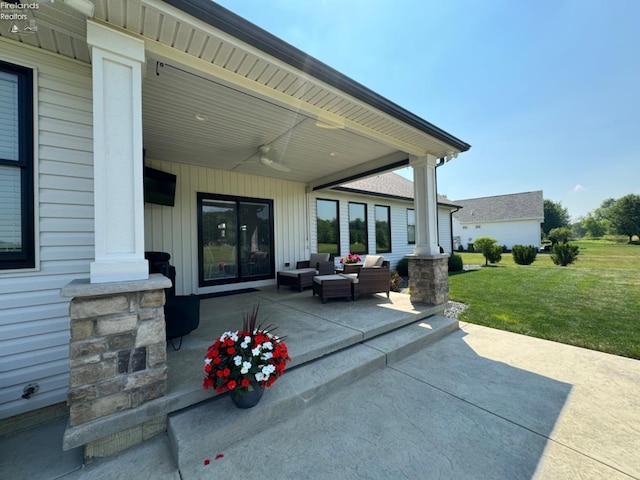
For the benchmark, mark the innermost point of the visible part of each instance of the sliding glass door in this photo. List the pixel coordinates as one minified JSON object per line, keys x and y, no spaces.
{"x":235,"y":239}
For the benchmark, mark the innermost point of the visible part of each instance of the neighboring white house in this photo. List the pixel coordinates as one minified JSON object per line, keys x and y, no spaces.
{"x":512,"y":219}
{"x":378,"y":208}
{"x":199,"y":90}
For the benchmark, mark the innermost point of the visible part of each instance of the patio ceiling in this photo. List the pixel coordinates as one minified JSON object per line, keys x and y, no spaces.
{"x":217,"y":87}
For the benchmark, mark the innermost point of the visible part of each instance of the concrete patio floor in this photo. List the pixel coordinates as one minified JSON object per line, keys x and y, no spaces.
{"x":313,"y":329}
{"x":477,"y":404}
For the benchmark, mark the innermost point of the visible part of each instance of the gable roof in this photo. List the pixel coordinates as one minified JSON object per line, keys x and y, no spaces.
{"x":500,"y":208}
{"x":389,"y":185}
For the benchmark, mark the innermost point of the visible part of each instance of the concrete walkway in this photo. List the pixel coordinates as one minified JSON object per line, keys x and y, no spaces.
{"x":478,"y":404}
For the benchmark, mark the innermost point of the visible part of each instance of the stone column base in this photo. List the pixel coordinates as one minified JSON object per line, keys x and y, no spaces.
{"x":429,"y":279}
{"x":117,"y":354}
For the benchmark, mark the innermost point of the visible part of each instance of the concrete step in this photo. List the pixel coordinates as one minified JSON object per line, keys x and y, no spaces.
{"x":203,"y":431}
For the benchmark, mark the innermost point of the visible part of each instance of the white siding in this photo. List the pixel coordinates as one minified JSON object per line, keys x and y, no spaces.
{"x":175,"y":229}
{"x":399,"y":244}
{"x":517,"y":232}
{"x":444,"y":229}
{"x":34,"y":322}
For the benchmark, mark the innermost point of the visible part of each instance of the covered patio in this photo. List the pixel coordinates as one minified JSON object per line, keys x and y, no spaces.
{"x":312,"y":329}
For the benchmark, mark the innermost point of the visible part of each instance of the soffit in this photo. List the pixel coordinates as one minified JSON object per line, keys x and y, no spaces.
{"x":248,"y":97}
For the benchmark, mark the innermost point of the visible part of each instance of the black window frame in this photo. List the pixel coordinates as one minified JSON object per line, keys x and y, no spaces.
{"x":366,"y":229}
{"x":337,"y":203}
{"x":388,"y":208}
{"x":26,"y":257}
{"x":240,"y":278}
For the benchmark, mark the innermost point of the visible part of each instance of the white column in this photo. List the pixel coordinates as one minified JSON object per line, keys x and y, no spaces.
{"x":117,"y":61}
{"x":426,"y":205}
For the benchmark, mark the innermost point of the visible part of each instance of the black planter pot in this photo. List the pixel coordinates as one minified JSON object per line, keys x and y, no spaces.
{"x":249,"y":398}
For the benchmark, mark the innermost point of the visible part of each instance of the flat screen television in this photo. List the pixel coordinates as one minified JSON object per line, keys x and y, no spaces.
{"x":159,"y":187}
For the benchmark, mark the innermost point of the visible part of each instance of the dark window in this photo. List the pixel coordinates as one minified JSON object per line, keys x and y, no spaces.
{"x":358,"y":228}
{"x":328,"y":226}
{"x":17,"y":248}
{"x":383,"y":229}
{"x":235,"y":239}
{"x":411,"y":226}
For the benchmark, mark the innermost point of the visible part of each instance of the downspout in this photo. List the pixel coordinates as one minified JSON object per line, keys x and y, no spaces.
{"x":441,"y":162}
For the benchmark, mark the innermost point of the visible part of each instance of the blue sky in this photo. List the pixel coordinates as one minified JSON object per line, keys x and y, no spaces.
{"x":547,"y":92}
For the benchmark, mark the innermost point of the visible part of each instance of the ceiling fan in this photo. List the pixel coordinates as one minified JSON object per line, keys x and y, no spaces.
{"x":267,"y":155}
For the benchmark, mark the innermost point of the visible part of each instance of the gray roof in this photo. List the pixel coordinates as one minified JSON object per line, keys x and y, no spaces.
{"x":516,"y":206}
{"x":390,"y":185}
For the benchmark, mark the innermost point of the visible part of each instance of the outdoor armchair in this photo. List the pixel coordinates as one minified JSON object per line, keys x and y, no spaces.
{"x":372,"y":277}
{"x":302,"y":276}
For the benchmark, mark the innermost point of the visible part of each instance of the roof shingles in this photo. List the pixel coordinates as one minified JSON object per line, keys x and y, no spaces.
{"x":500,"y":208}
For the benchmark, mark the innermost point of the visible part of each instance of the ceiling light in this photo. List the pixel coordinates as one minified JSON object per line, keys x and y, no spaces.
{"x":334,"y":154}
{"x":200,"y":117}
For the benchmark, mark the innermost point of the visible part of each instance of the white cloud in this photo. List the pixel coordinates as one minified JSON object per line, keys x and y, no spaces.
{"x":578,"y":188}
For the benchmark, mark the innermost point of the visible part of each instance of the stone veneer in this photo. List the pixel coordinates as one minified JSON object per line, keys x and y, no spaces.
{"x":429,"y":279}
{"x":118,"y":347}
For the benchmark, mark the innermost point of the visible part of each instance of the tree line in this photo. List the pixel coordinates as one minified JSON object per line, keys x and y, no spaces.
{"x":613,"y":217}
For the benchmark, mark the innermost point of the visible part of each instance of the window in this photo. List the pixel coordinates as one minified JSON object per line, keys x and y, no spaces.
{"x":358,"y":242}
{"x":477,"y":226}
{"x":17,"y":249}
{"x":235,"y":239}
{"x":411,"y":226}
{"x":383,"y":229}
{"x":328,"y":226}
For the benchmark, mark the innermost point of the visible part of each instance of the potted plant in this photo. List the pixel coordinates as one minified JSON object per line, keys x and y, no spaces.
{"x":351,"y":258}
{"x":245,"y":361}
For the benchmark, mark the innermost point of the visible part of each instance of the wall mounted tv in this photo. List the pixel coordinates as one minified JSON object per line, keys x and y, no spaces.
{"x":159,"y":187}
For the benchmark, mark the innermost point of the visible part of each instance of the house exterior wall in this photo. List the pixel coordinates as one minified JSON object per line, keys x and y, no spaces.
{"x":34,"y":320}
{"x":509,"y":233}
{"x":444,"y":229}
{"x":399,"y":243}
{"x":175,"y":229}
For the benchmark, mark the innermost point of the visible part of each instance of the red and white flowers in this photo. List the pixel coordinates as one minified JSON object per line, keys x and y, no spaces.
{"x":238,"y":358}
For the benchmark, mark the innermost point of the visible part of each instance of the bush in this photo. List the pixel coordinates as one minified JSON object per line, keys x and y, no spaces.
{"x":395,"y":282}
{"x":524,"y":255}
{"x":470,"y":248}
{"x":402,"y":267}
{"x":460,"y":248}
{"x":489,"y":248}
{"x":559,"y":235}
{"x":564,"y":254}
{"x":455,"y":263}
{"x":493,"y":254}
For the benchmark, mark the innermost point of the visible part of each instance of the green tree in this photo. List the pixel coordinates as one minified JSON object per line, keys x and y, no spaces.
{"x":555,"y":216}
{"x":594,"y":227}
{"x":559,"y":235}
{"x":625,"y":215}
{"x":489,"y":248}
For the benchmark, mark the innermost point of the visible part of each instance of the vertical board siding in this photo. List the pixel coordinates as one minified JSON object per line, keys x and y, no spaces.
{"x":175,"y":229}
{"x":34,"y":322}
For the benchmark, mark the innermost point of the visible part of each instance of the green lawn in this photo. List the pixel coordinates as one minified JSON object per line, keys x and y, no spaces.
{"x":594,"y":303}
